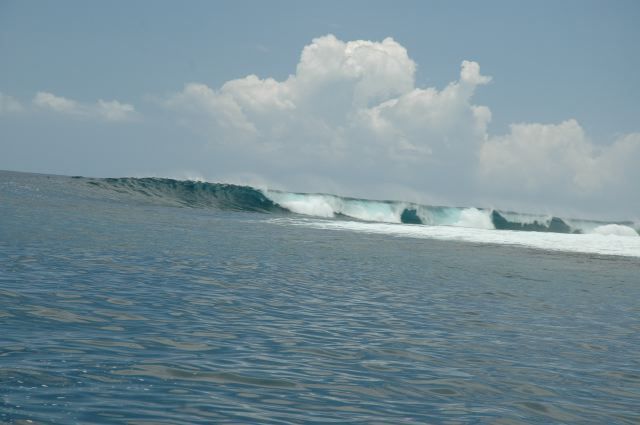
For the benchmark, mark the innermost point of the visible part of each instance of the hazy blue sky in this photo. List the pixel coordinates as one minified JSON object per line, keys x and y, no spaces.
{"x":101,"y":88}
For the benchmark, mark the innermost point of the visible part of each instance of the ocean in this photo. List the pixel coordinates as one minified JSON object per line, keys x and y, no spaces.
{"x":139,"y":301}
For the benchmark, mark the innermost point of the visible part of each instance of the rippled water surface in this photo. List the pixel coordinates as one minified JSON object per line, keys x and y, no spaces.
{"x":113,"y":310}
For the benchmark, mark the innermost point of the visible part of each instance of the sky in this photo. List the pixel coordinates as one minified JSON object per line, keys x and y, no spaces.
{"x":531,"y":106}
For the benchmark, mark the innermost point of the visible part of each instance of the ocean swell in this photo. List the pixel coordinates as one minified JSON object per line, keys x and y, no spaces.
{"x":245,"y":198}
{"x":191,"y":193}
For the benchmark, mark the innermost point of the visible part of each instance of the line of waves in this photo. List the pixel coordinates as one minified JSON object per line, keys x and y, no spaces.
{"x":245,"y":198}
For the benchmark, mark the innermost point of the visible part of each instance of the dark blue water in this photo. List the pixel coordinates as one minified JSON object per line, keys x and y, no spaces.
{"x":115,"y":309}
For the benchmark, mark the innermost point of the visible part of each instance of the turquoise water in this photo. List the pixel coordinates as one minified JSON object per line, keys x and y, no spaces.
{"x":118,"y":308}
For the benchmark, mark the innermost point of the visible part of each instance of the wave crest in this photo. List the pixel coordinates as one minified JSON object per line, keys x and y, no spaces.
{"x":245,"y":198}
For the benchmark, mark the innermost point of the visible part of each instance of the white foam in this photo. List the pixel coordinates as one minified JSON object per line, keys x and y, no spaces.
{"x":586,"y":243}
{"x":328,"y":206}
{"x":309,"y":206}
{"x":459,"y":217}
{"x":615,"y":229}
{"x":473,"y":217}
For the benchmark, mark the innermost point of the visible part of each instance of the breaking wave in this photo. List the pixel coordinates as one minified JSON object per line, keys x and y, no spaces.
{"x":245,"y":198}
{"x":189,"y":193}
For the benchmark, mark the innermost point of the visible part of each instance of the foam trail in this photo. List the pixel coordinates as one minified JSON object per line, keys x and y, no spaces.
{"x":548,"y":241}
{"x":614,"y":229}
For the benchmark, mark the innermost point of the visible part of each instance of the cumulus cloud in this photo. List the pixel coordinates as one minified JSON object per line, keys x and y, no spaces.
{"x":104,"y":110}
{"x":350,"y":111}
{"x":9,"y":105}
{"x":317,"y":107}
{"x":559,"y":160}
{"x":351,"y":115}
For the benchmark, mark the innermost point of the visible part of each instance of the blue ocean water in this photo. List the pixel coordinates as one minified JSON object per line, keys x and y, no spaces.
{"x":124,"y":303}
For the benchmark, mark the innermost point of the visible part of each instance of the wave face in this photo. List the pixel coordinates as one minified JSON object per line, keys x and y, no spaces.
{"x":245,"y":198}
{"x":191,"y":193}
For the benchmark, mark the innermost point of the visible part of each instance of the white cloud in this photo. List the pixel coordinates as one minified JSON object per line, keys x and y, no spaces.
{"x":114,"y":110}
{"x":470,"y":74}
{"x":9,"y":105}
{"x":57,"y":103}
{"x":215,"y":110}
{"x":371,"y":72}
{"x":105,"y":110}
{"x":428,"y":122}
{"x":543,"y":161}
{"x":333,"y":81}
{"x":351,"y":111}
